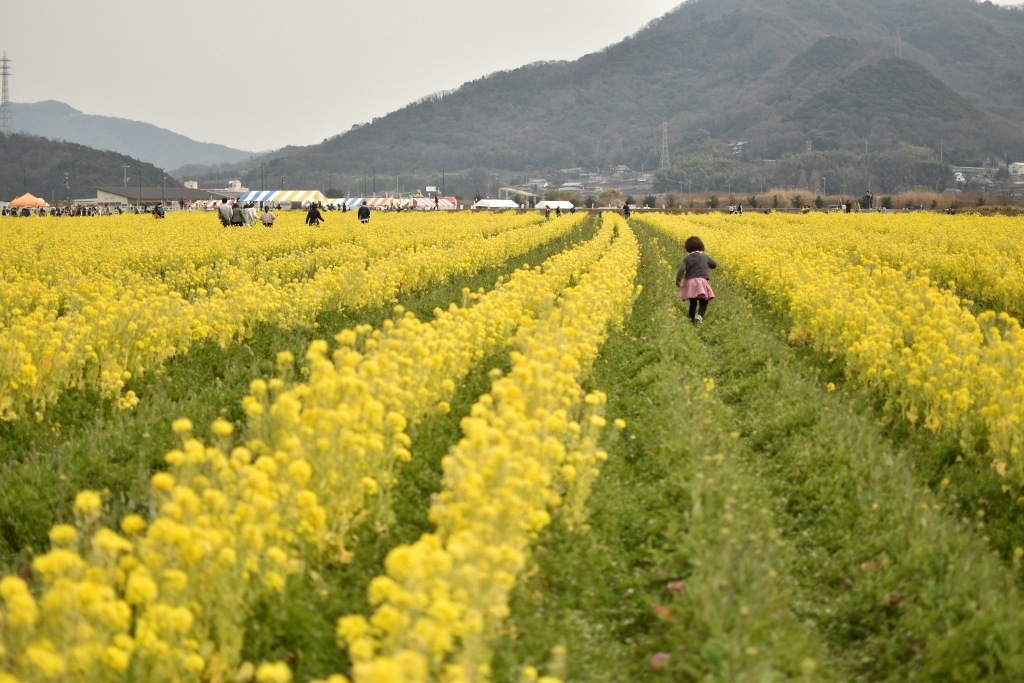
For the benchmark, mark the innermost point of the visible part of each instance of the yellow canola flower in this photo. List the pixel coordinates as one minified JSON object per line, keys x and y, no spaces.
{"x":88,"y":504}
{"x":275,"y":672}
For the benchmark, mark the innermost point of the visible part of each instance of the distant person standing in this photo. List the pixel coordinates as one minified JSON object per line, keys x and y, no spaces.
{"x":224,"y":212}
{"x":237,"y":216}
{"x":313,"y":216}
{"x":364,"y":213}
{"x":268,"y":218}
{"x":437,"y":202}
{"x":625,"y":211}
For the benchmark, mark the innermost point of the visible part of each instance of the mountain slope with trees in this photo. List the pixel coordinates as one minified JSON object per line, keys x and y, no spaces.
{"x":29,"y":163}
{"x":761,"y":71}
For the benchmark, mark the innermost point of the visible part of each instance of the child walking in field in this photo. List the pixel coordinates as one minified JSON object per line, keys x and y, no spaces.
{"x":692,"y":278}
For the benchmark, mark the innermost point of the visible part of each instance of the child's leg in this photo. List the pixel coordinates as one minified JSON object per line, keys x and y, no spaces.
{"x":703,"y":307}
{"x":693,"y":308}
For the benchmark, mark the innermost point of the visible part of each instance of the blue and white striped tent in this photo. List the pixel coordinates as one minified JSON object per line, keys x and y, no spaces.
{"x":257,"y":196}
{"x":280,"y":196}
{"x":349,"y":202}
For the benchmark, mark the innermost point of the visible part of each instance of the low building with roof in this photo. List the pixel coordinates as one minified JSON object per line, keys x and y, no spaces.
{"x":152,"y":195}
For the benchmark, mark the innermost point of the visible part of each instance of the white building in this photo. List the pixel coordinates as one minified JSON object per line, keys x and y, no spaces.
{"x":234,"y":186}
{"x":1016,"y":170}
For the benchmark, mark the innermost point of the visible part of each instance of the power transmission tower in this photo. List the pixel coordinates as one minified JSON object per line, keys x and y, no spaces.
{"x":6,"y":122}
{"x":665,"y":160}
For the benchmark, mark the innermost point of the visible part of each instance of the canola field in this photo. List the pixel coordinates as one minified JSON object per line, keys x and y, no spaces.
{"x":492,"y":447}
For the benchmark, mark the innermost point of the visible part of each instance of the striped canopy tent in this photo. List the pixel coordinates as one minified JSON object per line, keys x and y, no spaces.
{"x":427,"y":203}
{"x":381,"y":202}
{"x":281,"y":196}
{"x":257,"y":196}
{"x":348,"y":202}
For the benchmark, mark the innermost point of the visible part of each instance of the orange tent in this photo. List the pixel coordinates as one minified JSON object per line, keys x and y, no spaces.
{"x":27,"y":199}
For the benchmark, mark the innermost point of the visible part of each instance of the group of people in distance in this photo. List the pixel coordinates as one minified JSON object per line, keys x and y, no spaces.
{"x":239,"y":216}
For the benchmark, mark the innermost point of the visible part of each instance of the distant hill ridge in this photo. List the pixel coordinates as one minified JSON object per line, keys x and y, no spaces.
{"x":159,"y":146}
{"x":30,"y":163}
{"x":772,"y":72}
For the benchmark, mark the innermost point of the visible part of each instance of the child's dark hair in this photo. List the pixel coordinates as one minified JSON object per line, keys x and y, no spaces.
{"x":694,"y":244}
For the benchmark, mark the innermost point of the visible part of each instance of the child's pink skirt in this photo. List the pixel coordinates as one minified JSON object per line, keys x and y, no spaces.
{"x":696,"y":288}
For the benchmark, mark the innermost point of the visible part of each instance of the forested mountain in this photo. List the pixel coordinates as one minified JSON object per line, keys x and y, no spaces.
{"x":29,"y":163}
{"x":167,"y":149}
{"x":781,"y":75}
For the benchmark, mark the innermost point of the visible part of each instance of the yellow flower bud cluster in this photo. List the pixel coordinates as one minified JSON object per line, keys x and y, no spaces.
{"x":95,"y":301}
{"x":529,"y":448}
{"x":169,"y":598}
{"x":898,"y":331}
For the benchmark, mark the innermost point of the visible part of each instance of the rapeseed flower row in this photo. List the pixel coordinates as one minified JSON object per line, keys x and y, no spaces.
{"x":978,"y":258}
{"x":106,"y":328}
{"x":167,"y":598}
{"x":937,"y":363}
{"x":530,"y":448}
{"x":187,"y":251}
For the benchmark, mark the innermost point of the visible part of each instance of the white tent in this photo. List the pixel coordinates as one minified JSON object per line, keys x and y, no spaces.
{"x":495,"y":204}
{"x":554,"y":204}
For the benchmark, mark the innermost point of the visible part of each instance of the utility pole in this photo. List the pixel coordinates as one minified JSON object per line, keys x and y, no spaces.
{"x":374,"y":169}
{"x":6,"y":122}
{"x":442,"y":182}
{"x":263,"y":179}
{"x":125,"y":167}
{"x":140,"y":186}
{"x":665,"y":160}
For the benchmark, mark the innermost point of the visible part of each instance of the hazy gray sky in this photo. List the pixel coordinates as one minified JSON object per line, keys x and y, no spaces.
{"x":322,"y":65}
{"x":309,"y":68}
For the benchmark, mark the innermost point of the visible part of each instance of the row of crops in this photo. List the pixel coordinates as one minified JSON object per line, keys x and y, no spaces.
{"x":235,"y":517}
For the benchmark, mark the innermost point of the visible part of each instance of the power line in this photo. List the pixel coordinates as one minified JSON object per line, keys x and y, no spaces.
{"x":6,"y":120}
